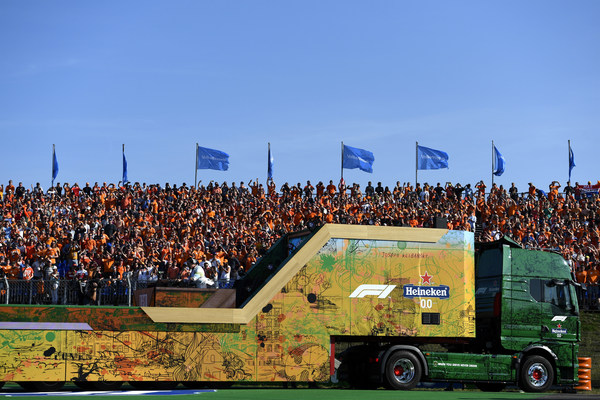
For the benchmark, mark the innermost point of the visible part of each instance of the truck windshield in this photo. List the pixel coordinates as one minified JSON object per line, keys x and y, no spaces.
{"x":558,"y":295}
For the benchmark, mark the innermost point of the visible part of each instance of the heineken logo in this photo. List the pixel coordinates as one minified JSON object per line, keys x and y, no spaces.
{"x":441,"y":292}
{"x":559,"y":330}
{"x":412,"y":291}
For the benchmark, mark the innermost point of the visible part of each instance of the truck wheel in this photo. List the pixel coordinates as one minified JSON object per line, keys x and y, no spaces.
{"x":537,"y":374}
{"x":402,"y":371}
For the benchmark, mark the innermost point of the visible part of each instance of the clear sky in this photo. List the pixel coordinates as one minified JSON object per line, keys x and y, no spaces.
{"x":161,"y":76}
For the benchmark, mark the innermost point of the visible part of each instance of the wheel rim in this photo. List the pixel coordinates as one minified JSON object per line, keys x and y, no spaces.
{"x":404,"y":371}
{"x":537,"y":374}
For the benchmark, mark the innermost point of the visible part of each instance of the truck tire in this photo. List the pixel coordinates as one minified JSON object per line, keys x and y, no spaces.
{"x":537,"y":374}
{"x":402,"y":371}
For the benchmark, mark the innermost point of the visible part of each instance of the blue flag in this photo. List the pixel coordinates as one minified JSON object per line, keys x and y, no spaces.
{"x":431,"y":159}
{"x":54,"y":165}
{"x":124,"y":169}
{"x":357,"y":158}
{"x":499,"y":162}
{"x":571,"y":161}
{"x":270,"y":165}
{"x":212,"y":159}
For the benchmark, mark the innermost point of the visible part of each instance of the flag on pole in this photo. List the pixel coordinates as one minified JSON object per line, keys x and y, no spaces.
{"x":499,"y":162}
{"x":571,"y":160}
{"x":125,"y":180}
{"x":357,"y":158}
{"x":212,"y":159}
{"x":270,"y":165}
{"x":431,"y":159}
{"x":54,"y":165}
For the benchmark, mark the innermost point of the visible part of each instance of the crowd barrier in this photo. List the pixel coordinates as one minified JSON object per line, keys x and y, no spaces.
{"x":83,"y":292}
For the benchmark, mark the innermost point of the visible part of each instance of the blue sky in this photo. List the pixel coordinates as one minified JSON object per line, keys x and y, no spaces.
{"x":161,"y":76}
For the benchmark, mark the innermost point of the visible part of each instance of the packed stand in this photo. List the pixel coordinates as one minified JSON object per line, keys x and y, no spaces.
{"x":73,"y":244}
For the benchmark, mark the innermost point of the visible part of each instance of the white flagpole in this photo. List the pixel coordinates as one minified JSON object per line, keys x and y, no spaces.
{"x":52,"y":169}
{"x":342,"y":162}
{"x":196,"y":167}
{"x":493,"y":163}
{"x":569,"y":160}
{"x":416,"y":164}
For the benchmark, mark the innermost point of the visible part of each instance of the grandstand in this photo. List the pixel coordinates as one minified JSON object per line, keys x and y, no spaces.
{"x":96,"y":244}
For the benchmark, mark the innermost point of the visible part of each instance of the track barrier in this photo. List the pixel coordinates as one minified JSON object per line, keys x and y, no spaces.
{"x":585,"y":373}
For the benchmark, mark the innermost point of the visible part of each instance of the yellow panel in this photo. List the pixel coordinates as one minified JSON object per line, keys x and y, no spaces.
{"x":29,"y":355}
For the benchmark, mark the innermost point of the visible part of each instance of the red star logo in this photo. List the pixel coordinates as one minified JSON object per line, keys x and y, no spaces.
{"x":558,"y":326}
{"x":426,"y":279}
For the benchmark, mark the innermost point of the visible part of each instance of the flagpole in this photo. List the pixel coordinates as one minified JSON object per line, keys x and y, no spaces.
{"x":416,"y":164}
{"x":268,"y":160}
{"x":493,"y":159}
{"x":123,"y":155}
{"x":52,"y":169}
{"x":342,"y":169}
{"x":196,"y":167}
{"x":569,"y":160}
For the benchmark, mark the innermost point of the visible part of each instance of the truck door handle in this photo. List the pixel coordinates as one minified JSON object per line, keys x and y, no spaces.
{"x":545,"y":329}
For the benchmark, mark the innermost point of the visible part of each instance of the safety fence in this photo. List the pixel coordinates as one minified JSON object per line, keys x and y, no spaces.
{"x":83,"y":292}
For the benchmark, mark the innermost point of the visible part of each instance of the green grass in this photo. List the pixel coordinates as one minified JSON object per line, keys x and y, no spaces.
{"x":303,"y":392}
{"x":590,"y":345}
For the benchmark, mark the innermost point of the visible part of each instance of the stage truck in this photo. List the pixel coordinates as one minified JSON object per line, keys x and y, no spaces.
{"x":375,"y":306}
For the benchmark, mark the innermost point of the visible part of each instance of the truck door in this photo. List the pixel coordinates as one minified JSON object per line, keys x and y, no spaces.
{"x":525,"y":310}
{"x":559,"y":315}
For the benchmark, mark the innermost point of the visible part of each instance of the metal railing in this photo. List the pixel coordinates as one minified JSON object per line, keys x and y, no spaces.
{"x":82,"y":292}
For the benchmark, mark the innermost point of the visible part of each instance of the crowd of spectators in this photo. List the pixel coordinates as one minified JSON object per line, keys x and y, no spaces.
{"x":208,"y":236}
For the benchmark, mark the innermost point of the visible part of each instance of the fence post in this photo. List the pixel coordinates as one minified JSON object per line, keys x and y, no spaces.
{"x":129,"y":290}
{"x":65,"y":285}
{"x":7,"y":289}
{"x":98,"y":293}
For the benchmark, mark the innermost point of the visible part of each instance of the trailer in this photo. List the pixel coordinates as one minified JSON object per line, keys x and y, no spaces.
{"x":374,"y":306}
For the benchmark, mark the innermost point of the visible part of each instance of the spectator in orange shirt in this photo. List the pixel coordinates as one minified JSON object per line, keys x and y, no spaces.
{"x":331,"y":189}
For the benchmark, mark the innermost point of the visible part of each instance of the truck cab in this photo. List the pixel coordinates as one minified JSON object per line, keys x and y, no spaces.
{"x":527,"y":308}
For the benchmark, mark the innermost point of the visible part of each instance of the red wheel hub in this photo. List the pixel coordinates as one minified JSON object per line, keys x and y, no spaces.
{"x":537,"y":375}
{"x":398,"y":370}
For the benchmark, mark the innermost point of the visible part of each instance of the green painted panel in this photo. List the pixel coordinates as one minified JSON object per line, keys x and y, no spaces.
{"x":459,"y":366}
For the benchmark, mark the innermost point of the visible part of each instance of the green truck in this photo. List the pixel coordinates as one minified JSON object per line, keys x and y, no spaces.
{"x":374,"y":306}
{"x":527,"y":331}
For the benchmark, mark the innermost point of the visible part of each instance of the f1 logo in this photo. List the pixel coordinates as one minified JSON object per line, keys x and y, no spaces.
{"x":381,"y":291}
